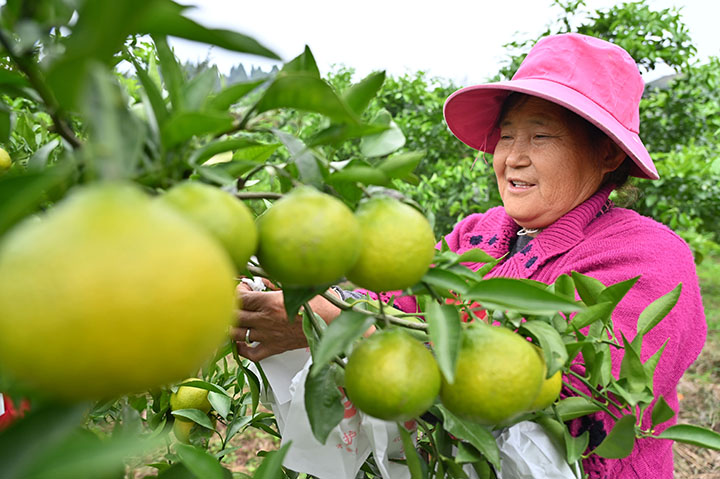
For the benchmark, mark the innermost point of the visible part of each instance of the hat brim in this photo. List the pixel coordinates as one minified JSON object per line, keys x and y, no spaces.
{"x":472,"y":113}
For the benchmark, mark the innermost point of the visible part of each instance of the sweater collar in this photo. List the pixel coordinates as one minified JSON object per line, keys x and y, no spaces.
{"x":554,"y":240}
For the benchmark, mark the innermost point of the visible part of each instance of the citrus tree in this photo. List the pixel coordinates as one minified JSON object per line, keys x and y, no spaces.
{"x":125,"y":179}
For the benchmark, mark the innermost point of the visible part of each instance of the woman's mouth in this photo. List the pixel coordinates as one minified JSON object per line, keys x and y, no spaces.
{"x":518,"y":185}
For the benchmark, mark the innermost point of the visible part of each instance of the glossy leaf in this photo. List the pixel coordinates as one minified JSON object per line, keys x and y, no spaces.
{"x":657,"y":310}
{"x":295,"y":297}
{"x":574,"y":407}
{"x":366,"y":175}
{"x":323,"y":401}
{"x":551,"y":343}
{"x":232,"y":94}
{"x":631,"y":369}
{"x":221,"y":403}
{"x":165,"y":18}
{"x":182,"y":126}
{"x":599,"y":311}
{"x":38,"y":161}
{"x":621,"y":440}
{"x":303,"y":63}
{"x":445,"y":330}
{"x":475,"y":255}
{"x":383,"y":143}
{"x":506,"y":293}
{"x":564,"y":286}
{"x":575,"y":446}
{"x":691,"y":434}
{"x":359,"y":95}
{"x":413,"y":459}
{"x":151,"y":90}
{"x":401,"y":165}
{"x":661,"y":412}
{"x":196,"y":416}
{"x":199,"y":462}
{"x":196,"y":91}
{"x":307,"y":93}
{"x":473,"y":433}
{"x":304,"y":159}
{"x":172,"y":73}
{"x":588,"y":288}
{"x":271,"y":467}
{"x":445,"y":279}
{"x":338,"y":337}
{"x":614,"y":293}
{"x":251,"y":150}
{"x":339,"y":133}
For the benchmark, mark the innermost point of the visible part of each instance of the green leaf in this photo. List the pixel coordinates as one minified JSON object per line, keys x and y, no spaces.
{"x":39,"y":159}
{"x":165,"y":18}
{"x":172,"y":73}
{"x":196,"y":91}
{"x":467,"y":454}
{"x":366,"y":175}
{"x":691,"y":434}
{"x":5,"y":123}
{"x":196,"y":416}
{"x":359,"y":95}
{"x":21,"y":195}
{"x":401,"y":165}
{"x":564,"y":286}
{"x":621,"y":440}
{"x":384,"y":143}
{"x":220,"y":403}
{"x":244,"y":149}
{"x":657,"y":310}
{"x":574,"y":407}
{"x":652,"y":362}
{"x":599,"y":311}
{"x":575,"y":446}
{"x":45,"y":427}
{"x":338,"y":336}
{"x":475,"y":255}
{"x":199,"y":462}
{"x":632,"y":370}
{"x":445,"y":328}
{"x":9,"y":77}
{"x":182,"y":126}
{"x":616,"y":292}
{"x":295,"y":297}
{"x":271,"y":467}
{"x":307,"y":93}
{"x":445,"y":279}
{"x":323,"y":401}
{"x":230,"y":95}
{"x":414,"y":461}
{"x":339,"y":133}
{"x":254,"y":385}
{"x":473,"y":433}
{"x":588,"y":288}
{"x":303,"y":63}
{"x":304,"y":159}
{"x":526,"y":298}
{"x":551,"y":343}
{"x":208,"y":386}
{"x":661,"y":412}
{"x":152,"y":92}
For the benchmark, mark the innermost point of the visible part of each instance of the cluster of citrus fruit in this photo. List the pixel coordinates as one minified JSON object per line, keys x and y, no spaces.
{"x":499,"y":375}
{"x":188,"y":398}
{"x":311,"y":238}
{"x":114,"y":291}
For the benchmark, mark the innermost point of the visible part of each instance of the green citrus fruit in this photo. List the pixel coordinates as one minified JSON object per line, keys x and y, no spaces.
{"x":182,"y":429}
{"x":308,"y":238}
{"x":219,"y":213}
{"x":498,"y":375}
{"x":5,"y":161}
{"x":190,"y":397}
{"x":397,"y":245}
{"x":392,"y":376}
{"x":110,"y":293}
{"x":550,"y":389}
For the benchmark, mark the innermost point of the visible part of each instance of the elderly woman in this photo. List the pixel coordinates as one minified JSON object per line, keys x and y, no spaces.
{"x":564,"y":134}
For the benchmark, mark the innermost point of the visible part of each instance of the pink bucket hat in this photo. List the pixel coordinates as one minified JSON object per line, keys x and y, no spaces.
{"x":591,"y":77}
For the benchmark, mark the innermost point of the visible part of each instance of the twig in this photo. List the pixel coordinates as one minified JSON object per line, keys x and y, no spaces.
{"x":592,"y":400}
{"x":582,"y":379}
{"x":258,"y":195}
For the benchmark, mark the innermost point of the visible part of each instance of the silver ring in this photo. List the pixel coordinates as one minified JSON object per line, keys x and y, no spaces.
{"x":247,"y":337}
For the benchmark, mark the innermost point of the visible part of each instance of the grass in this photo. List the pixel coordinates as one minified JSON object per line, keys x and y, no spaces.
{"x":699,"y":389}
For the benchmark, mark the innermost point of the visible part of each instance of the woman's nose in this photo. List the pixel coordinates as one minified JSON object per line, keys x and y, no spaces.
{"x":517,"y":154}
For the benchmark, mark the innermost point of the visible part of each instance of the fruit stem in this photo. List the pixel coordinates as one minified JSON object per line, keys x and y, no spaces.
{"x":592,"y":400}
{"x":387,"y":317}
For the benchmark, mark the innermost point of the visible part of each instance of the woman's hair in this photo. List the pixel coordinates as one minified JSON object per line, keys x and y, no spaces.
{"x":619,"y":176}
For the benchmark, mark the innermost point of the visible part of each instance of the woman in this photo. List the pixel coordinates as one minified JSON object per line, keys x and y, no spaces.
{"x":564,"y":134}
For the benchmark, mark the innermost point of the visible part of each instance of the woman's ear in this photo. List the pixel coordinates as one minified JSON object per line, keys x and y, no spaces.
{"x":613,"y":156}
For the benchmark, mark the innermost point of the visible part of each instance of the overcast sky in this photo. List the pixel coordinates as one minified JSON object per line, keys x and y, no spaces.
{"x":457,"y":39}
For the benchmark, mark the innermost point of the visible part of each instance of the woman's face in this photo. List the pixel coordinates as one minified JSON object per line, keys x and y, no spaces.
{"x":545,"y":163}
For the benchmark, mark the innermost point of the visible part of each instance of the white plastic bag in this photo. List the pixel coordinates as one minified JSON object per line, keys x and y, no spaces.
{"x":348,"y":445}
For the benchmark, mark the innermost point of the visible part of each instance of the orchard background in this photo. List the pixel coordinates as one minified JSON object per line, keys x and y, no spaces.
{"x":91,"y":91}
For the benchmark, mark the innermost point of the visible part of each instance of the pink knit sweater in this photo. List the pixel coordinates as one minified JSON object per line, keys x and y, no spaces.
{"x":612,"y":245}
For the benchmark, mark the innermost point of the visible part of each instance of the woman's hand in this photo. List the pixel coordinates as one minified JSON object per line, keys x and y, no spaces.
{"x":262,"y":319}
